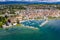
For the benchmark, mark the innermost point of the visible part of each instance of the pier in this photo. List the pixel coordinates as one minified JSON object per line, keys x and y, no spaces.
{"x":42,"y":24}
{"x":45,"y":22}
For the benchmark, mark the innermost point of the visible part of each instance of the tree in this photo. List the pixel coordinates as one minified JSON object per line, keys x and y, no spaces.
{"x":18,"y":21}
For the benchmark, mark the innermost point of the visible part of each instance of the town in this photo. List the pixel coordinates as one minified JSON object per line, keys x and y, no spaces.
{"x":15,"y":14}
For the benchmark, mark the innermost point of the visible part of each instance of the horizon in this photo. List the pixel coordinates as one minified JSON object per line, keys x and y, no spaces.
{"x":32,"y":0}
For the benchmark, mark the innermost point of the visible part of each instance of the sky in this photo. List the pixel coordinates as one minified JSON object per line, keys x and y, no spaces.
{"x":34,"y":0}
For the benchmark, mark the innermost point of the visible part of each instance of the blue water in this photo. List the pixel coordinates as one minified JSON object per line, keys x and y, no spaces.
{"x":27,"y":2}
{"x":34,"y":23}
{"x":50,"y":31}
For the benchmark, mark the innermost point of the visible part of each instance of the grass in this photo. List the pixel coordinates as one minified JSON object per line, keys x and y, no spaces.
{"x":19,"y":25}
{"x":53,"y":18}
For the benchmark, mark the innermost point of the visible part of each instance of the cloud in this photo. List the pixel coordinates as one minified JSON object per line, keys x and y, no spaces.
{"x":2,"y":0}
{"x":33,"y":0}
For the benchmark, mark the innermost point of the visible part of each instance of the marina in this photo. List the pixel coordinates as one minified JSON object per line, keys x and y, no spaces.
{"x":29,"y":20}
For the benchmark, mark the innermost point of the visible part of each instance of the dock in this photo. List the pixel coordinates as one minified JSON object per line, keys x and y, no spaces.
{"x":42,"y":24}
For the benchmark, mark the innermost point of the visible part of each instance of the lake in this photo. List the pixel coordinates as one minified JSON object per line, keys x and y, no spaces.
{"x":50,"y":31}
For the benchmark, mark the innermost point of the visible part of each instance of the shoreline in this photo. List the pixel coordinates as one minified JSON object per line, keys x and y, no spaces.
{"x":4,"y":27}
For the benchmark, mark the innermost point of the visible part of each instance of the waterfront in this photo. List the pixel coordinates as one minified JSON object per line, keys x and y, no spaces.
{"x":30,"y":22}
{"x":50,"y":31}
